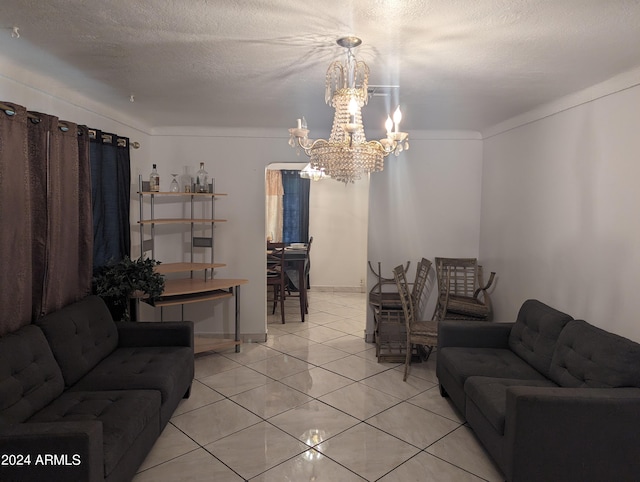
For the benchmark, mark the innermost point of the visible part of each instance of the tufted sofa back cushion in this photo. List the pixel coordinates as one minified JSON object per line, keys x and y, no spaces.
{"x":81,"y":335}
{"x":30,"y":378}
{"x":535,"y":333}
{"x":587,"y":356}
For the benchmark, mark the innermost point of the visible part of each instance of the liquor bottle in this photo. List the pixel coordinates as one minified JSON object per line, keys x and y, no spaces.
{"x":154,"y":180}
{"x":202,"y":179}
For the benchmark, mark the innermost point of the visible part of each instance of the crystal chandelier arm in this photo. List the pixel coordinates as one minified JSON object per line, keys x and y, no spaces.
{"x":303,"y":141}
{"x":313,"y":144}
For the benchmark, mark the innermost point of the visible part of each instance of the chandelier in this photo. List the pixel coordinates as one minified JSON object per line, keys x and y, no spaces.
{"x":347,"y":154}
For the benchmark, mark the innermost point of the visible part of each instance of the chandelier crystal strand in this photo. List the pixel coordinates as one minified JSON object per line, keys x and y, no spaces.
{"x":347,"y":155}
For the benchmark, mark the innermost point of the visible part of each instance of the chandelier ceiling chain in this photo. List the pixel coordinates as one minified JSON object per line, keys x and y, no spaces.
{"x":347,"y":154}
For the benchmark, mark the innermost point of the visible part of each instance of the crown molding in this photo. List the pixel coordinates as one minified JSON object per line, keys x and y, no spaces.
{"x":618,"y":83}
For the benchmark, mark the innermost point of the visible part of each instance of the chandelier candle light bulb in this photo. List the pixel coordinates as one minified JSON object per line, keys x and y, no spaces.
{"x":397,"y":117}
{"x":389,"y":125}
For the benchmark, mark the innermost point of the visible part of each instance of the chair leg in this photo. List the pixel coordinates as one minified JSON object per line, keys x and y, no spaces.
{"x":282,"y":309}
{"x":428,"y":353}
{"x":407,"y":360}
{"x":275,"y":298}
{"x":273,"y":310}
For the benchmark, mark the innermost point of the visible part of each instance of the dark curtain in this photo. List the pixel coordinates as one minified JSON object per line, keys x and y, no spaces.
{"x":46,"y":240}
{"x":295,"y":223}
{"x":61,"y":213}
{"x":110,"y":183}
{"x":15,"y":215}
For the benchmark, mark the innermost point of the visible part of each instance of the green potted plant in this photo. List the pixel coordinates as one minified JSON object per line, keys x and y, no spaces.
{"x":120,"y":282}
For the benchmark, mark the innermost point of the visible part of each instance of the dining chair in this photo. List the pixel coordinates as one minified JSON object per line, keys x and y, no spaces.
{"x":422,"y":273}
{"x":293,"y":276}
{"x":461,"y":292}
{"x":389,"y":322}
{"x":423,"y":333}
{"x":389,"y":300}
{"x":307,"y":267}
{"x":276,"y":276}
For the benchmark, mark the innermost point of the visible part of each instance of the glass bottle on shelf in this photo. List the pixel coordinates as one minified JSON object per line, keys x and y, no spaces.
{"x":202,"y":179}
{"x":154,"y":180}
{"x":186,"y":180}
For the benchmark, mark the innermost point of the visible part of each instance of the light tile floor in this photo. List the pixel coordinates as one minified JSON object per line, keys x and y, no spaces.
{"x":313,"y":403}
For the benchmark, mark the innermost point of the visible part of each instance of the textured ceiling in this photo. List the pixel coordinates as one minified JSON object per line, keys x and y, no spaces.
{"x":460,"y":64}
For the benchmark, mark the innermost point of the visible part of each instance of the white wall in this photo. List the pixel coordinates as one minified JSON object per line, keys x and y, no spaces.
{"x":338,"y":216}
{"x":426,"y":203}
{"x":560,"y":204}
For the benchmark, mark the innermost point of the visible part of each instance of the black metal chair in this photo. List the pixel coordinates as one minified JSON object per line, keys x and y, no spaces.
{"x":293,"y":276}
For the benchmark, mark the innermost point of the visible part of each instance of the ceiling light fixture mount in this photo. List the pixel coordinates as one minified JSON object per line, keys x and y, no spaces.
{"x":347,"y":154}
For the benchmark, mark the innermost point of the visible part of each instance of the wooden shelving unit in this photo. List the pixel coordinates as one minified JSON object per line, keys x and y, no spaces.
{"x":201,"y":284}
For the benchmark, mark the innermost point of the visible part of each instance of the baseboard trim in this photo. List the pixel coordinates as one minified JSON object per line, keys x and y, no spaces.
{"x":337,"y":289}
{"x":245,"y":337}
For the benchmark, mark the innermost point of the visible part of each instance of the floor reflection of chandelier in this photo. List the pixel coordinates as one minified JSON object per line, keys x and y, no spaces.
{"x":347,"y":154}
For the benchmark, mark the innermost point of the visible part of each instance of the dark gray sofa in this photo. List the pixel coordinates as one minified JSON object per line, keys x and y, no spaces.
{"x":83,"y":398}
{"x":551,"y":398}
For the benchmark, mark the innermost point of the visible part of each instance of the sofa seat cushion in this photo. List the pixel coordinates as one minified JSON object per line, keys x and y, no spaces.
{"x":81,"y":335}
{"x":124,"y":416}
{"x":146,"y":368}
{"x":490,"y":396}
{"x":535,"y":332}
{"x":587,"y":356}
{"x":464,"y":362}
{"x":30,"y":378}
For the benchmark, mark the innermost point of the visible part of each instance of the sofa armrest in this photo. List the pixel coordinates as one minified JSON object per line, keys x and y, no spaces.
{"x":572,"y":434}
{"x":57,"y":451}
{"x":171,"y":333}
{"x":480,"y":334}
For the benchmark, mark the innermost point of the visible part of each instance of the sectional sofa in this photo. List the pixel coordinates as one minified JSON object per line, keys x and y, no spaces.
{"x":550,"y":398}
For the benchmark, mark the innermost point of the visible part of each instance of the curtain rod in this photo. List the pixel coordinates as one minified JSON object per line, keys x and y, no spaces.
{"x":63,"y":126}
{"x":109,"y":138}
